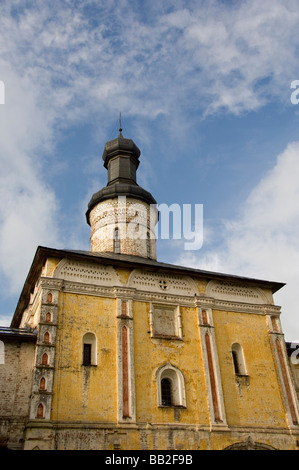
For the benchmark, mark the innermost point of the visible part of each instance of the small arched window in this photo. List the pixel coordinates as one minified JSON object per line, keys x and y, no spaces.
{"x":89,"y":349}
{"x":148,"y":245}
{"x":42,"y":384}
{"x":166,"y":392}
{"x":238,"y":359}
{"x":171,"y":386}
{"x":40,"y":411}
{"x":45,"y":359}
{"x":47,"y":337}
{"x":116,"y":241}
{"x":50,"y":298}
{"x":48,"y":317}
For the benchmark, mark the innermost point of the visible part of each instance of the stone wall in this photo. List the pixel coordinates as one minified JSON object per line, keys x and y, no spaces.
{"x":146,"y":326}
{"x":15,"y":390}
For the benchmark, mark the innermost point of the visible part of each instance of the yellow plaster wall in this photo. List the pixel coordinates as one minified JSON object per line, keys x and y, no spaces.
{"x":260,"y":401}
{"x":89,"y":394}
{"x":201,"y":285}
{"x":151,"y":353}
{"x":82,"y":392}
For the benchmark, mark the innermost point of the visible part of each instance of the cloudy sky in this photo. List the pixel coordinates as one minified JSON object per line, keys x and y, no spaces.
{"x":204,"y":88}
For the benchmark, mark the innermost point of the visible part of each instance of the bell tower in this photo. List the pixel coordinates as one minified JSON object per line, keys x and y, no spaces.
{"x":122,"y":215}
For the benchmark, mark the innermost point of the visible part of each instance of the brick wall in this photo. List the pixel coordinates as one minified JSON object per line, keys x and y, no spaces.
{"x":135,"y":221}
{"x":15,"y":390}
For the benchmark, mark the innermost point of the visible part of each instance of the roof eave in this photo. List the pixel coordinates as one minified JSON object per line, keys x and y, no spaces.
{"x":42,"y":253}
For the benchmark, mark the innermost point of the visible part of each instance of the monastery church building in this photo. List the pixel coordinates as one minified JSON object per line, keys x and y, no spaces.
{"x":111,"y":349}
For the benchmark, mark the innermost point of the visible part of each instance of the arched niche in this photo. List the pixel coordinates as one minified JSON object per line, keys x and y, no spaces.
{"x":237,"y":292}
{"x":249,"y":444}
{"x":175,"y":382}
{"x":87,"y":273}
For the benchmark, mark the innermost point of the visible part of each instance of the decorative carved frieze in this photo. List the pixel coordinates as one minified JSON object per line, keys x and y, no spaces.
{"x":158,"y":282}
{"x":87,"y":273}
{"x":148,"y":286}
{"x":237,"y":292}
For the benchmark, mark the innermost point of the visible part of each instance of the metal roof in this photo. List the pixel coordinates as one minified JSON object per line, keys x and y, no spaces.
{"x":42,"y":253}
{"x":20,"y":334}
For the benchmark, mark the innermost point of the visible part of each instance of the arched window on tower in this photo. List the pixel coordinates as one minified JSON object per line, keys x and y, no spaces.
{"x":148,"y":245}
{"x":116,"y":241}
{"x":238,"y":359}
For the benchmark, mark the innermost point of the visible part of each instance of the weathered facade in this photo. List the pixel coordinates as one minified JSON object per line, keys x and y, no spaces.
{"x":17,"y":350}
{"x":125,"y":352}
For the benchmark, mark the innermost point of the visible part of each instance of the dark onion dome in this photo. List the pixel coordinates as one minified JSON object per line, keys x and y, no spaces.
{"x":121,"y":159}
{"x":120,"y":145}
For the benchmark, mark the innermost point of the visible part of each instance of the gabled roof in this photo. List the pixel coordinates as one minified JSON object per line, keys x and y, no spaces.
{"x":125,"y":261}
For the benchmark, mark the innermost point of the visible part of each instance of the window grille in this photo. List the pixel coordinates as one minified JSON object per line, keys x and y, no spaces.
{"x":166,"y":392}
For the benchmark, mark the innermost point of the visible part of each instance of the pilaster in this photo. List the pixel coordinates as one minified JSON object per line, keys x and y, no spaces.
{"x":43,"y":374}
{"x":126,"y":410}
{"x":282,"y":364}
{"x":211,"y":365}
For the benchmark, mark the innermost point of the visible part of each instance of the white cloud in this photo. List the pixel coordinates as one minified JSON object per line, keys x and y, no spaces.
{"x":27,"y":204}
{"x":269,"y":224}
{"x":60,"y":66}
{"x":212,"y":53}
{"x":245,"y":52}
{"x":265,"y":239}
{"x":5,"y":320}
{"x":262,"y":242}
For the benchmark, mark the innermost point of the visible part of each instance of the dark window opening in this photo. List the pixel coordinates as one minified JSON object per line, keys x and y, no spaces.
{"x":148,"y":246}
{"x":236,"y":362}
{"x":116,"y":242}
{"x":87,"y":354}
{"x":166,"y":392}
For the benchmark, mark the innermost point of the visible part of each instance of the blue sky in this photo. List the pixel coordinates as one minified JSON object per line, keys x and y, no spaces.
{"x":204,"y":90}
